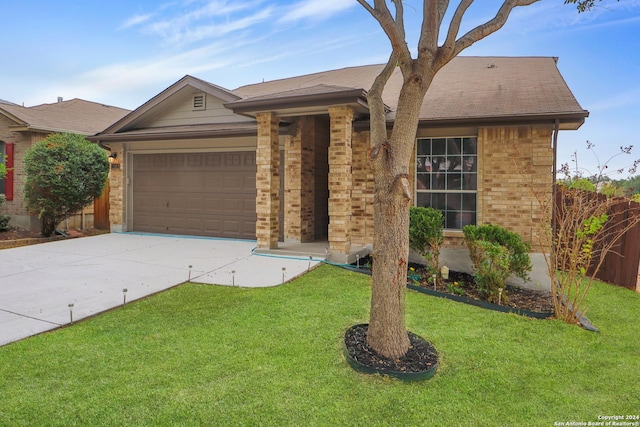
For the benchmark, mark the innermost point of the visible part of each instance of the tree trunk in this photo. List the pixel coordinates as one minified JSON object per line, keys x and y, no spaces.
{"x":47,"y":225}
{"x":391,"y":162}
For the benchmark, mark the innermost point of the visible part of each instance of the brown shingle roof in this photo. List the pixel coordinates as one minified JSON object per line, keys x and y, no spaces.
{"x":466,"y":88}
{"x":76,"y":115}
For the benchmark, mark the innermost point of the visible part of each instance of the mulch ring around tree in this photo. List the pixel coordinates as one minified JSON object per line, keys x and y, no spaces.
{"x":419,"y":363}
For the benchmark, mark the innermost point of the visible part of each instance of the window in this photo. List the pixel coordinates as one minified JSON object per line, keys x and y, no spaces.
{"x":447,"y":178}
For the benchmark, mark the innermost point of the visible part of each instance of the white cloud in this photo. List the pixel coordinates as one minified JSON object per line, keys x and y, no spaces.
{"x":625,"y":100}
{"x":315,"y":9}
{"x":135,"y":20}
{"x":207,"y":20}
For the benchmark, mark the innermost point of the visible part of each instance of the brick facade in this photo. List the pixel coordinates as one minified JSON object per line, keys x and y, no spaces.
{"x":299,"y":179}
{"x":22,"y":142}
{"x":117,"y":191}
{"x":504,"y":190}
{"x":362,"y":191}
{"x":340,"y":179}
{"x":267,"y":181}
{"x":512,"y":162}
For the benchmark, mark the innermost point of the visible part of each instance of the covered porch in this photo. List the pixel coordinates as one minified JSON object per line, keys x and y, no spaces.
{"x":327,"y":183}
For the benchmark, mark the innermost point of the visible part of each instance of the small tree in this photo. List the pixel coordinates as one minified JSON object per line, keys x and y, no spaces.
{"x":426,"y":236}
{"x":579,"y":227}
{"x":65,"y":173}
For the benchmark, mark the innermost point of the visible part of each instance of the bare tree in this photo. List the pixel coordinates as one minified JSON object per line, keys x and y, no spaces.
{"x":391,"y":153}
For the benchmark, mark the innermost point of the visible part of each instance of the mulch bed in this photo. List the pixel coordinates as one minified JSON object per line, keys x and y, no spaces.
{"x":14,"y":233}
{"x":421,"y":355}
{"x":16,"y":237}
{"x":525,"y":299}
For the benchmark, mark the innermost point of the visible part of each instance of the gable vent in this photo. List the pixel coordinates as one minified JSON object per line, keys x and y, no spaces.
{"x":199,"y":101}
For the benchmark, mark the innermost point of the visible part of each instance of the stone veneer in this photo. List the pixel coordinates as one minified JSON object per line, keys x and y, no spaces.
{"x":299,"y":218}
{"x":504,"y":190}
{"x":362,"y":191}
{"x":22,"y":142}
{"x":340,"y":179}
{"x":117,"y":191}
{"x":267,"y":181}
{"x":514,"y":162}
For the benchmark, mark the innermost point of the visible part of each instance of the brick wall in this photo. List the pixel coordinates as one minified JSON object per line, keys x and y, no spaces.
{"x":267,"y":181}
{"x":504,"y":192}
{"x":512,"y":162}
{"x":23,"y":141}
{"x":362,"y":191}
{"x":340,"y":179}
{"x":299,"y":182}
{"x":117,"y":191}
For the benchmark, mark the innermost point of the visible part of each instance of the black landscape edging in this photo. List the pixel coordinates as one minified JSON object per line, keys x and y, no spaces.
{"x":582,"y":320}
{"x":363,"y":270}
{"x":403,"y":376}
{"x":482,"y":304}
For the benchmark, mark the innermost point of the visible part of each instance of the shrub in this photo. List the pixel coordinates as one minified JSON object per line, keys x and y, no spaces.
{"x":426,"y":234}
{"x":496,"y":253}
{"x":65,"y":173}
{"x":4,"y":219}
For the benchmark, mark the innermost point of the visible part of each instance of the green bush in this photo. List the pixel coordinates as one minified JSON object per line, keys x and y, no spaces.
{"x":426,"y":236}
{"x":4,"y":219}
{"x":64,"y":173}
{"x":583,"y":184}
{"x":496,"y":253}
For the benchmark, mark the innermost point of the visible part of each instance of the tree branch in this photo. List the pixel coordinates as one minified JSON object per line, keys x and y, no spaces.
{"x":490,"y":27}
{"x":433,"y":14}
{"x":393,"y":28}
{"x":454,"y":26}
{"x":376,"y":105}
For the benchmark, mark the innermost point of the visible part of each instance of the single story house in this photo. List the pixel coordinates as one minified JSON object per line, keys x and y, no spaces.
{"x":286,"y":161}
{"x":21,"y":127}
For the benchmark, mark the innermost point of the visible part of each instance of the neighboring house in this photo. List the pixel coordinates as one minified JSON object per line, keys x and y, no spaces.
{"x":286,"y":160}
{"x":21,"y":127}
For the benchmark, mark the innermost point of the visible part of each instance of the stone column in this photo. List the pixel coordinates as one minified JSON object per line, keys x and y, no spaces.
{"x":268,"y":181}
{"x":117,"y":191}
{"x":299,"y":182}
{"x":340,"y":179}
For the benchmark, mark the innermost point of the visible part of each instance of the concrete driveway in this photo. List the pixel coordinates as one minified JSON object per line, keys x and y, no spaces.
{"x":38,"y":283}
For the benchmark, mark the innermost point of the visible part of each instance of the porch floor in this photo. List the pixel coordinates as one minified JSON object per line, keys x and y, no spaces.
{"x":316,"y":249}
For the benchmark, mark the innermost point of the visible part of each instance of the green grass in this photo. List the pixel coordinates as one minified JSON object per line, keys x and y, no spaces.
{"x":222,"y":356}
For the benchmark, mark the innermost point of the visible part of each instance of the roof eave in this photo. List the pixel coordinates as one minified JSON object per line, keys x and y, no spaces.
{"x":355,"y":97}
{"x":285,"y":129}
{"x":567,"y":121}
{"x":43,"y":129}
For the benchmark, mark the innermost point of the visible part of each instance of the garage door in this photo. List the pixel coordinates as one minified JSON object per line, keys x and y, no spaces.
{"x":202,"y":194}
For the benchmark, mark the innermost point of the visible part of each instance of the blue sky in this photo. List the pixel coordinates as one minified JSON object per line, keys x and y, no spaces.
{"x":124,"y":52}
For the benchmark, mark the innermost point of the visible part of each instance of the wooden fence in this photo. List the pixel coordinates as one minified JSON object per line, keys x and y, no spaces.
{"x":101,"y":210}
{"x":621,"y":263}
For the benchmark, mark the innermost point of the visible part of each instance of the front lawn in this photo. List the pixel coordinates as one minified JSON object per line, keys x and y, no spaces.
{"x":223,"y":356}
